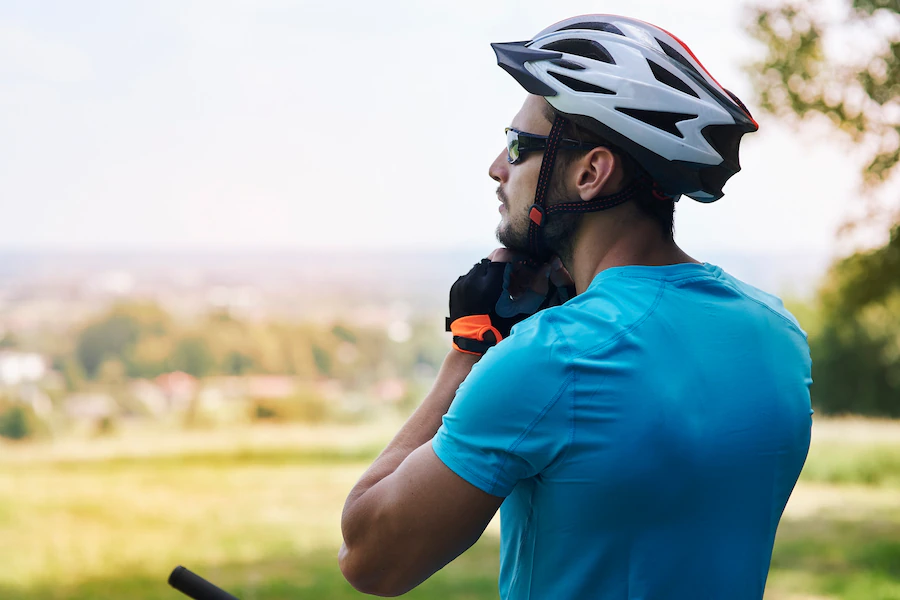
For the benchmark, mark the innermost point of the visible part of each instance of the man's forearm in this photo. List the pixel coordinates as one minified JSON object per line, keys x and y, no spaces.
{"x":421,"y":425}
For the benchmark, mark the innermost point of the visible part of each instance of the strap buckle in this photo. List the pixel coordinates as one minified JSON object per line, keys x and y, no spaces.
{"x":536,"y":214}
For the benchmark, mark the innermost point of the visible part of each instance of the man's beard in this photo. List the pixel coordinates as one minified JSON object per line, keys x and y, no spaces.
{"x":559,"y":230}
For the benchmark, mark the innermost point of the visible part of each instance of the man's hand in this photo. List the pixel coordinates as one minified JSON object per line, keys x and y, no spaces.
{"x":499,"y":292}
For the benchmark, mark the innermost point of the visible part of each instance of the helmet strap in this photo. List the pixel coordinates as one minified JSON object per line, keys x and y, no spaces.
{"x":538,"y":211}
{"x":636,"y":186}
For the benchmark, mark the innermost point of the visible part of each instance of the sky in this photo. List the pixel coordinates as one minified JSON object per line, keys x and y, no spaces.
{"x":355,"y":124}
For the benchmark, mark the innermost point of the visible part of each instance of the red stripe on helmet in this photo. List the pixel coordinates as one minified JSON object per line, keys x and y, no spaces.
{"x":697,"y":60}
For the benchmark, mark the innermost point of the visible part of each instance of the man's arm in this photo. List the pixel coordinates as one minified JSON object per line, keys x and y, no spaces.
{"x":409,"y":514}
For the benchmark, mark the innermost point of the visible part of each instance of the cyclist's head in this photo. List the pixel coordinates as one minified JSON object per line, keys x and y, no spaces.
{"x":585,"y":168}
{"x":642,"y":89}
{"x":639,"y":91}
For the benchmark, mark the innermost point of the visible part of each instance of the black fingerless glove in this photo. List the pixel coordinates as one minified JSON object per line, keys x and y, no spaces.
{"x":482,"y":312}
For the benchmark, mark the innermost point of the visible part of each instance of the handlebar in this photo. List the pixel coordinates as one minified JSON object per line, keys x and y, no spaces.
{"x":192,"y":585}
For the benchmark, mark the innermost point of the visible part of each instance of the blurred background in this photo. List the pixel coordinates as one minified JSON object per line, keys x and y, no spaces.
{"x":229,"y":228}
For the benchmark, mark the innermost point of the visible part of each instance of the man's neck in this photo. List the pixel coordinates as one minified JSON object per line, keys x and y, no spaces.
{"x":603,"y":243}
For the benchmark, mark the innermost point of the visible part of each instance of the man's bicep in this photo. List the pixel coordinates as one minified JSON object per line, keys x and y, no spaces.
{"x":510,"y":418}
{"x":440,"y":513}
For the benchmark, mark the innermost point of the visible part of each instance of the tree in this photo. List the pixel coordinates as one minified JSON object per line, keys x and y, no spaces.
{"x":193,"y":356}
{"x":118,"y":334}
{"x":111,"y":337}
{"x":857,"y":89}
{"x":856,"y":352}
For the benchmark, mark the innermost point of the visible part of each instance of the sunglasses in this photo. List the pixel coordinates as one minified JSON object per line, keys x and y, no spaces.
{"x":519,"y":143}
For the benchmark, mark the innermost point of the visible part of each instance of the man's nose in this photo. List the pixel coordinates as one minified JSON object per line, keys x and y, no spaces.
{"x":499,"y":170}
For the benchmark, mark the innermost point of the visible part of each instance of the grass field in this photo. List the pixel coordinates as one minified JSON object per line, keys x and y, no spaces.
{"x":257,"y":511}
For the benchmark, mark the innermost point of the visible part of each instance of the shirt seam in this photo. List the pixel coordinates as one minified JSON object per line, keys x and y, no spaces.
{"x":790,"y":323}
{"x":456,"y":465}
{"x":631,"y":328}
{"x":522,"y":436}
{"x":574,"y":377}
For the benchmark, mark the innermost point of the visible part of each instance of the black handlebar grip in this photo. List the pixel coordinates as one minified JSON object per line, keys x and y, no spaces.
{"x":192,"y":585}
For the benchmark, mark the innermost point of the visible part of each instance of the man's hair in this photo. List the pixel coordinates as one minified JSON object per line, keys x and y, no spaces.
{"x":661,"y":211}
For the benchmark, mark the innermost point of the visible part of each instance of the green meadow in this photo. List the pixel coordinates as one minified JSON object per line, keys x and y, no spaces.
{"x":257,"y":512}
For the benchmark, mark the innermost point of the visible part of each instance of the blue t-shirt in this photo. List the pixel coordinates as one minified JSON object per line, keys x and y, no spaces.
{"x":646,"y":436}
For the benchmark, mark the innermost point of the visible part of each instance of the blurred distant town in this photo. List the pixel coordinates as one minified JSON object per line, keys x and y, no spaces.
{"x":94,"y":342}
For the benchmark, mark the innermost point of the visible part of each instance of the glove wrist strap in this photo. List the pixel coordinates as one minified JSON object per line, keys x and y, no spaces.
{"x":474,"y":334}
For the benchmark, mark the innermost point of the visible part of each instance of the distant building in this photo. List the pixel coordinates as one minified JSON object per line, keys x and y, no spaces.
{"x":390,"y":391}
{"x":273,"y":387}
{"x":37,"y":399}
{"x":21,"y":367}
{"x":150,"y":395}
{"x":89,"y":406}
{"x":178,"y":388}
{"x":243,"y":387}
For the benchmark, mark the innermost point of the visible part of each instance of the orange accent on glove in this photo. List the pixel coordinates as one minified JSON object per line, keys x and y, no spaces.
{"x":473,"y":327}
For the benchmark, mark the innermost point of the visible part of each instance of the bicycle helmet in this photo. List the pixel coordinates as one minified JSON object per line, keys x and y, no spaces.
{"x":643,"y":90}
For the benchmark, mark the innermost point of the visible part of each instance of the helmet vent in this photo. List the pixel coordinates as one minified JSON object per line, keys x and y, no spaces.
{"x":580,"y":86}
{"x":606,"y":27}
{"x":568,"y":64}
{"x":584,"y":48}
{"x":678,"y":57}
{"x":665,"y":76}
{"x":667,"y":121}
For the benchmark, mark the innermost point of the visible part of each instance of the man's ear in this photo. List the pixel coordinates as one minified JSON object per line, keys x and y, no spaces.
{"x":598,"y":173}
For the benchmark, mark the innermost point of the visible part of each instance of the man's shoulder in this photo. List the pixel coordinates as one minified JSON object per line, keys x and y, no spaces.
{"x":766,"y":300}
{"x":602,"y":313}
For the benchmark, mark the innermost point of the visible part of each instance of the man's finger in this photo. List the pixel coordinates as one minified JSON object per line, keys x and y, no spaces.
{"x":559,"y":275}
{"x":505,"y":255}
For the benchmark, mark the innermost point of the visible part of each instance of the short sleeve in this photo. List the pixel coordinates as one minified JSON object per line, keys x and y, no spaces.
{"x":511,"y":417}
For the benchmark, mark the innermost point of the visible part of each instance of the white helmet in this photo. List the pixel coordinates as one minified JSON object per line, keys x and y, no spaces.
{"x":643,"y":90}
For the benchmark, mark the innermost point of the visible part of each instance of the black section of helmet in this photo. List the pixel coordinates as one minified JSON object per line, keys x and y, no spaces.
{"x":583,"y":48}
{"x":678,"y":177}
{"x":512,"y":57}
{"x":730,"y":102}
{"x":606,"y":27}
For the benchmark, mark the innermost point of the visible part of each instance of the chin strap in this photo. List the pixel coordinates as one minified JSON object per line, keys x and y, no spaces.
{"x":537,"y":213}
{"x":540,"y":212}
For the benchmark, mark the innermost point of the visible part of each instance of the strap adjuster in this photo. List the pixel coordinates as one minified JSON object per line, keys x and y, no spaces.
{"x":536,"y":214}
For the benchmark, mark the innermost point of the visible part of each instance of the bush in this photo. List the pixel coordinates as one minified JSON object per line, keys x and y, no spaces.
{"x":302,"y":408}
{"x":17,"y":423}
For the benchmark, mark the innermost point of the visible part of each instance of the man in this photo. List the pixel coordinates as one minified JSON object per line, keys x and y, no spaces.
{"x":644,"y":436}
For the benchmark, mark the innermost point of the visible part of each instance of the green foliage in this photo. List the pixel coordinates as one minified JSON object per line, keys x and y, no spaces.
{"x":72,"y":372}
{"x":114,"y":336}
{"x":15,"y":423}
{"x":262,"y":521}
{"x":856,"y":345}
{"x":864,"y":279}
{"x":826,"y":556}
{"x":856,"y":353}
{"x":860,"y":97}
{"x":854,"y":464}
{"x":343,"y":333}
{"x":142,"y":341}
{"x":193,"y":355}
{"x":9,"y":340}
{"x":237,"y":363}
{"x":851,"y":375}
{"x":117,"y":336}
{"x":18,"y":421}
{"x":303,"y":408}
{"x":323,"y":360}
